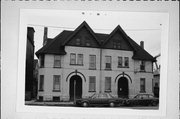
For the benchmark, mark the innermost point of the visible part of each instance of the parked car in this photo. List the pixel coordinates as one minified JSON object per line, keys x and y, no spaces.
{"x":143,"y":99}
{"x":99,"y":99}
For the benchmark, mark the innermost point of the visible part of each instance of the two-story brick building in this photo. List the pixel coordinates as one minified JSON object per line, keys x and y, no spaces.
{"x":81,"y":62}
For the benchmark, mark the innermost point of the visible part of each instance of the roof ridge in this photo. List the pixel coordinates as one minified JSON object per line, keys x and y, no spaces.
{"x":84,"y":23}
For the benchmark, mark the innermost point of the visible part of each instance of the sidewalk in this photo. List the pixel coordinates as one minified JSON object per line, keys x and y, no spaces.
{"x":33,"y":102}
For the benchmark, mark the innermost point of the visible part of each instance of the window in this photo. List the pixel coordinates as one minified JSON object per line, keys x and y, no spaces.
{"x":72,"y":58}
{"x":56,"y":98}
{"x":56,"y":83}
{"x":142,"y":66}
{"x":108,"y":62}
{"x":87,"y":41}
{"x":116,"y":44}
{"x":40,"y":98}
{"x":92,"y":84}
{"x":142,"y":85}
{"x":107,"y":84}
{"x":57,"y":61}
{"x":120,"y":62}
{"x":92,"y":61}
{"x":78,"y":41}
{"x":80,"y":59}
{"x":41,"y":83}
{"x":42,"y":61}
{"x":126,"y":61}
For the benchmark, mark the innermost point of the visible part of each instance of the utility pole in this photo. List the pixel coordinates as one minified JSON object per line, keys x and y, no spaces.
{"x":74,"y":90}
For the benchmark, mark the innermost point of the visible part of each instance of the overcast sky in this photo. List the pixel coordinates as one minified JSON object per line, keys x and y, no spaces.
{"x":148,"y":36}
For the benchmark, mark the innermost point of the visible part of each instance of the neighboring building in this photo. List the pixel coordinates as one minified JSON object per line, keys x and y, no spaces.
{"x":29,"y":64}
{"x":156,"y":82}
{"x":79,"y":63}
{"x":35,"y":78}
{"x":156,"y":79}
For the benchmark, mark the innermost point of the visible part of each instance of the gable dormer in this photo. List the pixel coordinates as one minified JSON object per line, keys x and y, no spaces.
{"x":83,"y":36}
{"x":118,"y":40}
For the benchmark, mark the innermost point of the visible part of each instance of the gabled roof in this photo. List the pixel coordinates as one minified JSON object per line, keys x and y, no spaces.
{"x":118,"y":28}
{"x":57,"y":44}
{"x":84,"y":24}
{"x":54,"y":46}
{"x":139,"y":52}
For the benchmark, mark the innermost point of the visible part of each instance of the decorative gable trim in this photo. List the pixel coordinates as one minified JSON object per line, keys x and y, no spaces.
{"x":118,"y":28}
{"x":84,"y":24}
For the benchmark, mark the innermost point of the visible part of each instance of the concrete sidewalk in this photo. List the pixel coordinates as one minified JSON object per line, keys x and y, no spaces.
{"x":33,"y":102}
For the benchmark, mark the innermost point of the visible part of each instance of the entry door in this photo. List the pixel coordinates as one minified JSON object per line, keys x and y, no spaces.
{"x":75,"y":90}
{"x":123,"y":87}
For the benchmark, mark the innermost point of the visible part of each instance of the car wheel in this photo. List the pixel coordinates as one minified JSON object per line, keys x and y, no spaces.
{"x":111,"y":104}
{"x":85,"y":104}
{"x":127,"y":103}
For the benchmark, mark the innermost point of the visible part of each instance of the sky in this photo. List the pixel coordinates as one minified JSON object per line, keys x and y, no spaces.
{"x":137,"y":35}
{"x":139,"y":26}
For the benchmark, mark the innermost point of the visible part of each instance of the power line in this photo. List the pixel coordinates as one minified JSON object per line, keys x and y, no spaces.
{"x":72,"y":28}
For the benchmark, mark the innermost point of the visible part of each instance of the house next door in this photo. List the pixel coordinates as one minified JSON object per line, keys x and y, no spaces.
{"x":75,"y":87}
{"x":123,"y":87}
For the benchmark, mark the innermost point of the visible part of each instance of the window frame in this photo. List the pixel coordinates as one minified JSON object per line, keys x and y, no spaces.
{"x":78,"y":41}
{"x":41,"y":83}
{"x":79,"y":62}
{"x":126,"y":58}
{"x":108,"y":86}
{"x":54,"y":83}
{"x":91,"y":62}
{"x":142,"y":86}
{"x":92,"y":85}
{"x":71,"y":54}
{"x":120,"y":57}
{"x":55,"y":60}
{"x":108,"y":68}
{"x":143,"y":66}
{"x":42,"y":61}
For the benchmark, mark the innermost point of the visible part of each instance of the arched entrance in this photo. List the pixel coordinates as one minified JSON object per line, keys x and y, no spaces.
{"x":123,"y":89}
{"x":75,"y":87}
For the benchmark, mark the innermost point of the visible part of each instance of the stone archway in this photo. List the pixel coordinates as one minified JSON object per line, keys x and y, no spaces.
{"x":122,"y":87}
{"x":75,"y":87}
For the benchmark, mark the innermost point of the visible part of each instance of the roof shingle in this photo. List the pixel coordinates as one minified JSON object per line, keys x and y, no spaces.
{"x":57,"y":44}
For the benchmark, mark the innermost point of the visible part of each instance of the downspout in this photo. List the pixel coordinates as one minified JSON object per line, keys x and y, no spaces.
{"x":100,"y":75}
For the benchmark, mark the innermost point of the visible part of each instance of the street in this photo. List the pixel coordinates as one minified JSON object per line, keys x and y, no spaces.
{"x":71,"y":104}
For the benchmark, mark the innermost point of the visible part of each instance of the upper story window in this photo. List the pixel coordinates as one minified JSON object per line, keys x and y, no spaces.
{"x":116,"y":44}
{"x":142,"y":85}
{"x":80,"y":59}
{"x":126,"y":61}
{"x":56,"y":83}
{"x":72,"y":58}
{"x":41,"y":83}
{"x":42,"y":61}
{"x":107,"y":84}
{"x":92,"y":61}
{"x":92,"y":84}
{"x":57,"y":61}
{"x":142,"y":66}
{"x":120,"y":62}
{"x":78,"y":41}
{"x":108,"y":62}
{"x":87,"y":41}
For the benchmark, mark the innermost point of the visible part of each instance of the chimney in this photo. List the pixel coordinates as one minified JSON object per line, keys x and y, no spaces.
{"x":45,"y":36}
{"x":142,"y":44}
